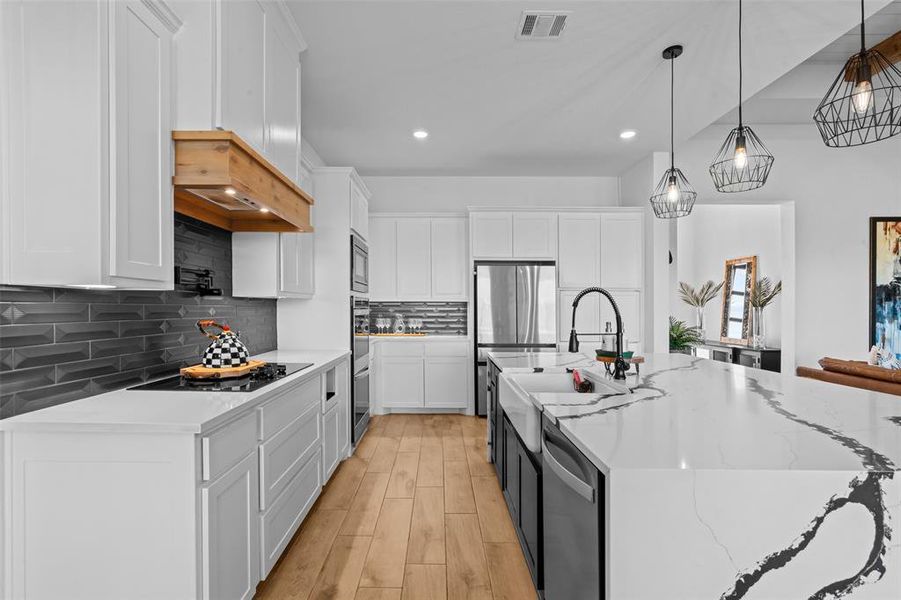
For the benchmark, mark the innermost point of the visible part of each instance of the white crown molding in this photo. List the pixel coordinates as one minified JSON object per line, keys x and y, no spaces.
{"x":165,"y":14}
{"x":417,"y":215}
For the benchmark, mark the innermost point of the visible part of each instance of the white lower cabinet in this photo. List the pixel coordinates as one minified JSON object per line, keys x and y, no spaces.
{"x":447,"y":386}
{"x":330,"y":458}
{"x":281,"y":521}
{"x":230,"y":509}
{"x":595,"y":312}
{"x":434,"y":374}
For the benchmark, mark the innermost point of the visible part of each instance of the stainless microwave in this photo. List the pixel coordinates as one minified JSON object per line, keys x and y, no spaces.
{"x":359,"y":265}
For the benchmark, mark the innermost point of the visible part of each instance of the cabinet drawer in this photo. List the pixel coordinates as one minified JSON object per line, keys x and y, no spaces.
{"x":281,"y":456}
{"x":449,"y":348}
{"x":278,"y":524}
{"x":226,"y":446}
{"x":288,"y":405}
{"x":413,"y":349}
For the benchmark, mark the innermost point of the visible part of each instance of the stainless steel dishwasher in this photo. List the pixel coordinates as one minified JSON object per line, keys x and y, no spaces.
{"x":574,"y":537}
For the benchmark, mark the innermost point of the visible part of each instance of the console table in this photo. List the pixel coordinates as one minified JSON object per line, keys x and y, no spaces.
{"x":768,"y":359}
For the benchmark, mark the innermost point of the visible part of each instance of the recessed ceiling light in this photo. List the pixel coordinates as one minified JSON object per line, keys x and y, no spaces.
{"x":264,"y":210}
{"x":230,"y":191}
{"x":627,"y":134}
{"x":420,"y":134}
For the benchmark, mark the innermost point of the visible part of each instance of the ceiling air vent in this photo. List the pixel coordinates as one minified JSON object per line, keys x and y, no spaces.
{"x":541,"y":25}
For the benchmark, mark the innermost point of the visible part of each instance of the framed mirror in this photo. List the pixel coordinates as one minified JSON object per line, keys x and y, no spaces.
{"x":740,"y":278}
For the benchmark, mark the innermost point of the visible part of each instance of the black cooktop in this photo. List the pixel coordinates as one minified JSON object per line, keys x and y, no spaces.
{"x":258,"y":378}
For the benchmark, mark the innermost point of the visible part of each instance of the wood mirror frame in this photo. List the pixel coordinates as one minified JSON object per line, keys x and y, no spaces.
{"x":732,"y":295}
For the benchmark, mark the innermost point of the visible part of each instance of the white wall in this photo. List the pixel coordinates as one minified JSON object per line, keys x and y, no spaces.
{"x":455,"y":194}
{"x":716,"y":233}
{"x":835,"y":192}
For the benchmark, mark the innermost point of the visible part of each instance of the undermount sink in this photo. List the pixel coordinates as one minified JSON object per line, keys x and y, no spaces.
{"x":524,"y":414}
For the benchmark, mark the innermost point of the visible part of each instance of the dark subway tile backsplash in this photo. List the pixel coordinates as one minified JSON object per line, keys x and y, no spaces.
{"x":63,"y":344}
{"x":438,"y":318}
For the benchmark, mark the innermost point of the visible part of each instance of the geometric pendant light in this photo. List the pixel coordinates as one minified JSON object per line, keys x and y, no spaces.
{"x":673,"y":197}
{"x":743,"y":162}
{"x":864,"y":103}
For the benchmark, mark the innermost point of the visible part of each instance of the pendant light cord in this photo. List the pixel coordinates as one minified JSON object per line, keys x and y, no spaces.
{"x":672,"y":119}
{"x":740,"y":72}
{"x":863,"y":44}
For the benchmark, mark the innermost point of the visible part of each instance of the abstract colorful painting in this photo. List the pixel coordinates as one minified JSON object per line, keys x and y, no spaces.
{"x":885,"y":283}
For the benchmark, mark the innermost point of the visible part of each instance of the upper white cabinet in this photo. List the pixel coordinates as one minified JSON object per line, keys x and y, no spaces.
{"x":513,"y":235}
{"x":273,"y":265}
{"x":414,"y":262}
{"x":383,"y":258}
{"x":242,"y":51}
{"x":449,"y":272}
{"x":621,"y":250}
{"x":579,"y":250}
{"x":534,"y":235}
{"x":88,"y":99}
{"x":492,"y":234}
{"x":238,"y":68}
{"x":359,"y":211}
{"x":283,"y":143}
{"x":417,"y":258}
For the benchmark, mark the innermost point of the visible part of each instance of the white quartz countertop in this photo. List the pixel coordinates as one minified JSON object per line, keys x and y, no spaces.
{"x":165,"y":412}
{"x":525,"y":362}
{"x":418,"y":338}
{"x":691,"y":413}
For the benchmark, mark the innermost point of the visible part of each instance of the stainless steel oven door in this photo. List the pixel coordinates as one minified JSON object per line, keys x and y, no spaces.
{"x":360,"y":334}
{"x":359,"y":265}
{"x":361,"y":404}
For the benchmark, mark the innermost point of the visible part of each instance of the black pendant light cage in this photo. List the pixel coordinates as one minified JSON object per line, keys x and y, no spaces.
{"x":743,"y":162}
{"x":673,"y":197}
{"x":732,"y":175}
{"x":864,"y":103}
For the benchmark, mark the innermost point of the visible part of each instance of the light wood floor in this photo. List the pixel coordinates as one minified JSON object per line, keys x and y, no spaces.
{"x":415,"y":514}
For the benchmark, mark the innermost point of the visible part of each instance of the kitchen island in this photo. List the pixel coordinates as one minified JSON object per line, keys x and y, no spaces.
{"x":726,"y":482}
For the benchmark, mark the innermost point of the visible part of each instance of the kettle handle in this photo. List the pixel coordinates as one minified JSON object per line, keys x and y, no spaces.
{"x":204,"y":323}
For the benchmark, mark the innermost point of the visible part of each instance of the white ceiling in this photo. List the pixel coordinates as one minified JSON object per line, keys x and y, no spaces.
{"x":792,"y":98}
{"x":375,"y":70}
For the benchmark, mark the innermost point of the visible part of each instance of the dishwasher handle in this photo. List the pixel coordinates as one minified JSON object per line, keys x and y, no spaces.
{"x":572,"y":481}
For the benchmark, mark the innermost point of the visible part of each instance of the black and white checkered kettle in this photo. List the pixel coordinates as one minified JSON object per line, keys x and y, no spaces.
{"x":226,"y":350}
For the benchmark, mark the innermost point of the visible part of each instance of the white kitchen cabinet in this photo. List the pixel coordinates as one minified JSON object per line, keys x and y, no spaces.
{"x":383,"y":258}
{"x":534,"y":235}
{"x":273,"y":265}
{"x":410,"y":374}
{"x":448,"y":253}
{"x":447,"y":384}
{"x":401,"y":381}
{"x":621,"y":250}
{"x":230,"y":530}
{"x":629,"y":303}
{"x":238,"y":69}
{"x":414,"y":261}
{"x":330,"y":448}
{"x":588,"y":315}
{"x":282,"y":115}
{"x":418,"y":258}
{"x":105,"y":216}
{"x":359,"y":210}
{"x":242,"y":46}
{"x":578,"y":250}
{"x":491,"y":234}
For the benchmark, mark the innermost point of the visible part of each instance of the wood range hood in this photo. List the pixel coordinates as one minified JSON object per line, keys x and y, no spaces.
{"x":219,"y":179}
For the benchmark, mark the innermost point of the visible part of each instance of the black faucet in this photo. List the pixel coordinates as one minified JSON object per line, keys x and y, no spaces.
{"x":619,"y":363}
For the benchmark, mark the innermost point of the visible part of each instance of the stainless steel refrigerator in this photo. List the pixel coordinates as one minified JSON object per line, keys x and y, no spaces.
{"x":515,"y":309}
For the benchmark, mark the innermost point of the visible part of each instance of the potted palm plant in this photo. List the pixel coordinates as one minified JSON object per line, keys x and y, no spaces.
{"x":698,"y":299}
{"x":683,"y":337}
{"x":764,"y":292}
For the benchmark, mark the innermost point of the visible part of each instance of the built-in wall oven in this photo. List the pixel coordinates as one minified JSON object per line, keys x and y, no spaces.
{"x":360,"y":359}
{"x":359,"y":265}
